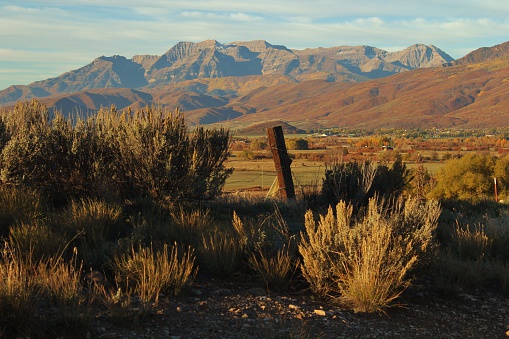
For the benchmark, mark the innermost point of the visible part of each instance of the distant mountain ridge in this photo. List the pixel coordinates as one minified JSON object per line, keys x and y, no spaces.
{"x":346,"y":86}
{"x":211,"y":59}
{"x":483,"y":54}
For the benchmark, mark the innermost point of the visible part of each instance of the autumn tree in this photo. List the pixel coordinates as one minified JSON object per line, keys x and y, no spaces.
{"x":467,"y":178}
{"x":297,"y":144}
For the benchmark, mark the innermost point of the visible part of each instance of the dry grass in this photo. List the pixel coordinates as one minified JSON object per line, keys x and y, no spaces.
{"x":37,"y":239}
{"x":274,"y":270}
{"x":26,"y":283}
{"x":471,"y":243}
{"x":221,"y":253}
{"x":20,"y":294}
{"x":19,"y":205}
{"x":96,"y":224}
{"x":187,"y":226}
{"x":61,"y":282}
{"x":147,"y":273}
{"x":475,"y":256}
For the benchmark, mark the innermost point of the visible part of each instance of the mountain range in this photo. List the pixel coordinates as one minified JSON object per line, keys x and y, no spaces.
{"x":242,"y":83}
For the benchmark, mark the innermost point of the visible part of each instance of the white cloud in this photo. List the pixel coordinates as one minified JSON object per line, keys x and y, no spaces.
{"x":244,"y":17}
{"x":45,"y":33}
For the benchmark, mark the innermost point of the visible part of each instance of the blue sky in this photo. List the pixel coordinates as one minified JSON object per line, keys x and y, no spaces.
{"x":43,"y":39}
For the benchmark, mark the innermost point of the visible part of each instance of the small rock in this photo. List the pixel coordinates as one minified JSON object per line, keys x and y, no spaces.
{"x":293,"y":307}
{"x":300,"y":316}
{"x":245,"y":316}
{"x":320,"y":312}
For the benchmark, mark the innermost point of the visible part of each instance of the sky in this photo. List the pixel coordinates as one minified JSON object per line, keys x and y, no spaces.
{"x":43,"y":39}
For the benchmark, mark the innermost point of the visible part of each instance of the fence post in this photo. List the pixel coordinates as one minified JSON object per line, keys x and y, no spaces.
{"x":282,"y":162}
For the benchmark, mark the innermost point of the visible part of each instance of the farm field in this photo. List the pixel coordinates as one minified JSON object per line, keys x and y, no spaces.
{"x":257,"y":175}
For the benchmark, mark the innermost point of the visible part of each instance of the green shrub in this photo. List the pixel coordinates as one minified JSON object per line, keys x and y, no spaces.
{"x":365,"y":263}
{"x":154,"y":155}
{"x":297,"y":144}
{"x":148,"y":153}
{"x":48,"y":154}
{"x":356,"y":182}
{"x":467,"y":178}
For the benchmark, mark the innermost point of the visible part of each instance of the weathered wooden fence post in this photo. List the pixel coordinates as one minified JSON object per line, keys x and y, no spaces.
{"x":282,"y":162}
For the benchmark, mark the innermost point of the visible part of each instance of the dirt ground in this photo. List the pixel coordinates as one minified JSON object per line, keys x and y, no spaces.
{"x":215,"y":309}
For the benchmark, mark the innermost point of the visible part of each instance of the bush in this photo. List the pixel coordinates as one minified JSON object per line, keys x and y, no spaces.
{"x":467,"y":178}
{"x":356,"y":183}
{"x":421,"y":182}
{"x":297,"y":144}
{"x":48,"y":154}
{"x":366,"y":263}
{"x":148,"y":153}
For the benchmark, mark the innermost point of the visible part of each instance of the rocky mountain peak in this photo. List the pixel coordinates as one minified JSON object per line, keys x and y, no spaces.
{"x":420,"y":56}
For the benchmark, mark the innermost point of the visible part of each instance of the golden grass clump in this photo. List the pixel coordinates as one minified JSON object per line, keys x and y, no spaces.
{"x":25,"y":283}
{"x":274,"y":270}
{"x":18,"y":205}
{"x":221,"y":253}
{"x":147,"y":273}
{"x":365,"y":262}
{"x":96,"y":224}
{"x":20,"y":294}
